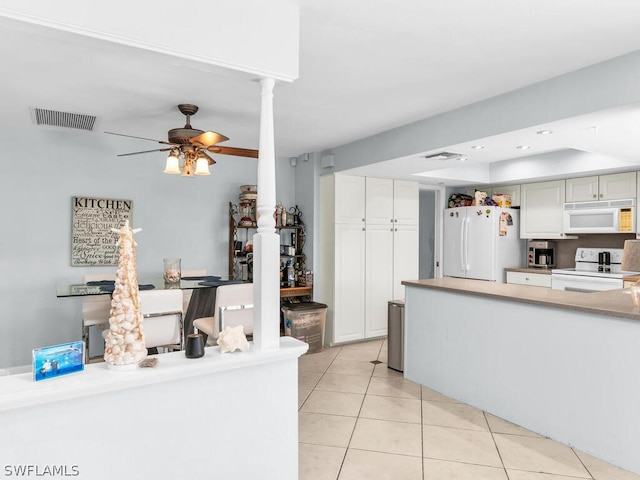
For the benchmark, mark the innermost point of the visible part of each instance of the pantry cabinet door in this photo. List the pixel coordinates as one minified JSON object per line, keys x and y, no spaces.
{"x":379,"y":201}
{"x":405,"y":257}
{"x":348,"y":317}
{"x":405,"y":202}
{"x":349,"y":199}
{"x":379,"y":278}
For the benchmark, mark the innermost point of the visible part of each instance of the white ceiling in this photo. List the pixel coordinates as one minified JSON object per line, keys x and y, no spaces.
{"x":366,"y":66}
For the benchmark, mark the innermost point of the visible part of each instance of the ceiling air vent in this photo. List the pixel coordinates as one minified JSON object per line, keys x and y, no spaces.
{"x":442,"y":156}
{"x":54,"y":118}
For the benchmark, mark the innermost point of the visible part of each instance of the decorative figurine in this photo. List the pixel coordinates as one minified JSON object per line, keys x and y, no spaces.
{"x":124,"y":342}
{"x":233,"y":338}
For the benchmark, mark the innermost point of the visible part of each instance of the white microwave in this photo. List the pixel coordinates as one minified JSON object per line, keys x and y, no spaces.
{"x":613,"y":216}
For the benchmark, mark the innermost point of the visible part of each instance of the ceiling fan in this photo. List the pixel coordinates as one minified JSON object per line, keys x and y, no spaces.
{"x":191,"y":146}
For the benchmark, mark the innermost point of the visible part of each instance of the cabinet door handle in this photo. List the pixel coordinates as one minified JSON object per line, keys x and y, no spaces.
{"x":395,"y":219}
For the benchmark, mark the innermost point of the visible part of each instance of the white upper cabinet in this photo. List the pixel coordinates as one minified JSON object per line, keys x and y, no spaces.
{"x":542,"y":208}
{"x":391,"y":201}
{"x":405,"y":202}
{"x":379,"y":201}
{"x":615,"y":186}
{"x":349,"y":199}
{"x":582,"y":189}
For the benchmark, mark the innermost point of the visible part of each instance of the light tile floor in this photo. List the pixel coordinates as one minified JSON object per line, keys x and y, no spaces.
{"x":363,"y":421}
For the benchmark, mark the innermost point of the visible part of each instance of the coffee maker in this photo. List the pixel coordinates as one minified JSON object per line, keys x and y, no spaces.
{"x":541,"y":254}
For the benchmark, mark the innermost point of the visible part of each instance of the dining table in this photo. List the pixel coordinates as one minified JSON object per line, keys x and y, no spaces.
{"x":203,"y":297}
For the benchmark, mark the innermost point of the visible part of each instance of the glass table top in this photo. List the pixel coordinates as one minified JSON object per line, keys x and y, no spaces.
{"x":82,"y":289}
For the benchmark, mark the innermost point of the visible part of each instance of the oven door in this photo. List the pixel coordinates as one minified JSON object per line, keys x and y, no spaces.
{"x":583,"y":283}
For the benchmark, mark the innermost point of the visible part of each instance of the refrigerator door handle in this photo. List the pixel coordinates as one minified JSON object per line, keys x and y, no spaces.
{"x":462,"y":245}
{"x":467,"y":222}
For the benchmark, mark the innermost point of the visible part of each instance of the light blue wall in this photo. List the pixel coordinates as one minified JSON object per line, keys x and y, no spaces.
{"x":40,"y":170}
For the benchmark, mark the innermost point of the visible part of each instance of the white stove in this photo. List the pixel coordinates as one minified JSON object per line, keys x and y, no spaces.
{"x":596,"y":269}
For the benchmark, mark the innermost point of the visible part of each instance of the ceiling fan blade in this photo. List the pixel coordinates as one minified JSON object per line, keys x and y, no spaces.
{"x":207,"y":139}
{"x":238,"y":152}
{"x":145,"y":151}
{"x":208,"y":157}
{"x":140,"y":138}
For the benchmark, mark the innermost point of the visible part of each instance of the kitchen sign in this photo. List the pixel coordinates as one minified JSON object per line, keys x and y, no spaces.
{"x":92,"y":241}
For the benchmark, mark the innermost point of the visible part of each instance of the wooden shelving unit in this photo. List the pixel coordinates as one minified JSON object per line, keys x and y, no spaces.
{"x":243,"y":234}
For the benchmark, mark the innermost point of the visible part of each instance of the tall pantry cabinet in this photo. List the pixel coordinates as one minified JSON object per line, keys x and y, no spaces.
{"x":369,"y":244}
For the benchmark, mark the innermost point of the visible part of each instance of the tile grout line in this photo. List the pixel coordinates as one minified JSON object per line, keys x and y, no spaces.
{"x":580,"y":460}
{"x":484,"y":414}
{"x":357,"y":418}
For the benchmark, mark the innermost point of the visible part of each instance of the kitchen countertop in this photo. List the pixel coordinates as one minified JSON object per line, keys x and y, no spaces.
{"x":611,"y":302}
{"x":542,"y":271}
{"x":631,"y":278}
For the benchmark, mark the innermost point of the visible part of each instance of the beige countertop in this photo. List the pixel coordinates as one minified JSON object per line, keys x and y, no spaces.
{"x":542,"y":271}
{"x":612,"y":302}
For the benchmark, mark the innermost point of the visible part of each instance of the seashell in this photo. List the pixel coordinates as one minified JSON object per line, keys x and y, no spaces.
{"x":233,"y":338}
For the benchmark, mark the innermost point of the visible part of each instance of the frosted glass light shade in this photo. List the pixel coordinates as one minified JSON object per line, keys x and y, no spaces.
{"x":172,"y":167}
{"x":202,"y":167}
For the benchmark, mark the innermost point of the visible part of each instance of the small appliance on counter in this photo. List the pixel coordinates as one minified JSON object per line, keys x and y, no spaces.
{"x":541,"y":254}
{"x":596,"y":269}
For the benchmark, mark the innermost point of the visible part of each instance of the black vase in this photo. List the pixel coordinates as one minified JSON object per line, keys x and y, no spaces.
{"x":195,"y":346}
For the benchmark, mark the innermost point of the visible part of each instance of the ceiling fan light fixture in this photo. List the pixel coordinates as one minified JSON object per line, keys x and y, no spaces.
{"x":172,"y":167}
{"x":202,"y":166}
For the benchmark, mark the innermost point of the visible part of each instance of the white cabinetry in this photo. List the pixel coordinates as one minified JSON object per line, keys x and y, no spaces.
{"x":541,"y":213}
{"x":615,"y":186}
{"x":350,"y":285}
{"x":349,"y":196}
{"x":366,"y":252}
{"x":379,"y":278}
{"x":531,"y":279}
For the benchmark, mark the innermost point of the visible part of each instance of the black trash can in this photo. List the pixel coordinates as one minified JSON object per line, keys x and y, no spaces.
{"x":395,"y":335}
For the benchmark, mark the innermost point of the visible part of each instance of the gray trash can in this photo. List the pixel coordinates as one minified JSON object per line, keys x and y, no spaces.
{"x":395,"y":335}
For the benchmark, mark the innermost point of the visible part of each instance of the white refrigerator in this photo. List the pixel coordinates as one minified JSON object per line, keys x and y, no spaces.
{"x":480,"y":242}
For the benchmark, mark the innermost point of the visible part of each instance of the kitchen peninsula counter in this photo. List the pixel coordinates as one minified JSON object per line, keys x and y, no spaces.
{"x":562,"y":364}
{"x":615,"y":303}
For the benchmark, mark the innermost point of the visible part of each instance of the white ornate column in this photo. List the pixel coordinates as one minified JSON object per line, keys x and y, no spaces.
{"x":266,"y":242}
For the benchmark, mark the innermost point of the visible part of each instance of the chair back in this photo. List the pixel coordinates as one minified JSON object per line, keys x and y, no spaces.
{"x":234,"y":306}
{"x":186,"y":294}
{"x":162,"y":317}
{"x":96,"y":308}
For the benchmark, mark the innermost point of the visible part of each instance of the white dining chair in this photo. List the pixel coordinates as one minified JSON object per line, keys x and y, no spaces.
{"x":95,"y":311}
{"x":162,"y":318}
{"x":233,"y":306}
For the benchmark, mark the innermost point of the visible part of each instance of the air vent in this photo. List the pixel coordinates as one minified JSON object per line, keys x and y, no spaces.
{"x":443,"y":156}
{"x":54,"y":118}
